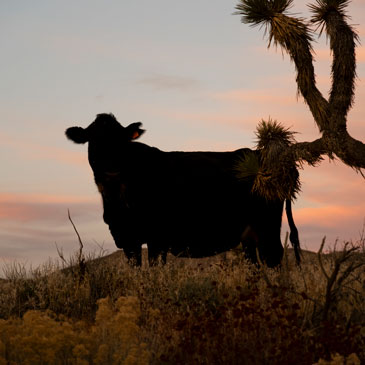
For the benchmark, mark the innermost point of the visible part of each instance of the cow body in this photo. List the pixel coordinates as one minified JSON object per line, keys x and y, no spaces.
{"x":188,"y":203}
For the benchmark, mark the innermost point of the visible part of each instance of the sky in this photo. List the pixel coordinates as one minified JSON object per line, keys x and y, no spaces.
{"x":190,"y":71}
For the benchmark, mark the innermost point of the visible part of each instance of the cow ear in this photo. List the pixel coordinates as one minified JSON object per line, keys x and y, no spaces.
{"x":134,"y":131}
{"x":77,"y":134}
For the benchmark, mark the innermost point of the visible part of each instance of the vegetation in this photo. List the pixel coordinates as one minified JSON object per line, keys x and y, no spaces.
{"x":219,"y":310}
{"x":295,"y":36}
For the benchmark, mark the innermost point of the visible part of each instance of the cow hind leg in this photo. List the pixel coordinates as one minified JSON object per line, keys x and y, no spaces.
{"x":249,"y":241}
{"x":156,"y":255}
{"x":267,"y":247}
{"x":272,"y":252}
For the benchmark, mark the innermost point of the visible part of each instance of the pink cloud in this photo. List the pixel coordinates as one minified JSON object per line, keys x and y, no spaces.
{"x":44,"y":198}
{"x":260,"y":97}
{"x":331,"y":204}
{"x":324,"y":54}
{"x":222,"y":118}
{"x":360,"y":54}
{"x":42,"y":152}
{"x":360,"y":29}
{"x":243,"y":108}
{"x":169,"y":82}
{"x":331,"y":182}
{"x":329,"y":216}
{"x":277,"y":104}
{"x":40,"y":207}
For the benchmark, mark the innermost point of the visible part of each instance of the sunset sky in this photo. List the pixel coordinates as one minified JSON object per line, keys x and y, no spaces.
{"x":190,"y":71}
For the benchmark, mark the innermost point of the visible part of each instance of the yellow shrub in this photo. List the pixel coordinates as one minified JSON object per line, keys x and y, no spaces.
{"x":41,"y":338}
{"x":340,"y":360}
{"x":117,"y":333}
{"x":37,"y":339}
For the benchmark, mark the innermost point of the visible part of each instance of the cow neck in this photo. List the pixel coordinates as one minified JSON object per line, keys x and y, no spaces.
{"x":142,"y":158}
{"x":143,"y":150}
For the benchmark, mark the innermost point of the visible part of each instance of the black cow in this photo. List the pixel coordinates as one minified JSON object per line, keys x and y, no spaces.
{"x":188,"y":203}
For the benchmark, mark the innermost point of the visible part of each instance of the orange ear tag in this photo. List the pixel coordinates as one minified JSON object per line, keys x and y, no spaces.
{"x":135,"y":135}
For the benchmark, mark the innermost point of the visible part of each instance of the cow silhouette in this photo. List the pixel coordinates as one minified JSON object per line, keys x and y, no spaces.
{"x":187,"y":203}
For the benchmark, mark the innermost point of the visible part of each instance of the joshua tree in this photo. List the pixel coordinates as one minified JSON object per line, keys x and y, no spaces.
{"x":295,"y":36}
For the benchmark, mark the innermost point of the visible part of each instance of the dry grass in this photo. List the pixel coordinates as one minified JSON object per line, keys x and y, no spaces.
{"x":213,"y":311}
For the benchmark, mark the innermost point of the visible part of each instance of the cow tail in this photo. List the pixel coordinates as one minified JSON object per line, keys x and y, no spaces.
{"x":294,"y":236}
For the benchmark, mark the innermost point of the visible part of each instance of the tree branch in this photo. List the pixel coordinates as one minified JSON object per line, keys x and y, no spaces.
{"x":331,"y":15}
{"x":309,"y":152}
{"x":350,"y":151}
{"x":294,"y":36}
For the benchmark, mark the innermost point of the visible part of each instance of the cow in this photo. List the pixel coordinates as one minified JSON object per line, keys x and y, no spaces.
{"x":187,"y":203}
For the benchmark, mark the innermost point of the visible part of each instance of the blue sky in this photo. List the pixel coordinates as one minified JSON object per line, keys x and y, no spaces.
{"x":195,"y":76}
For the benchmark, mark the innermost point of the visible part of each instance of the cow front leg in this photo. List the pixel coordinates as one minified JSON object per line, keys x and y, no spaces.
{"x":134,"y":255}
{"x":131,"y":247}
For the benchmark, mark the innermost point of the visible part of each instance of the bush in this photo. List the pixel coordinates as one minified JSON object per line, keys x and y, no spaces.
{"x":46,"y":338}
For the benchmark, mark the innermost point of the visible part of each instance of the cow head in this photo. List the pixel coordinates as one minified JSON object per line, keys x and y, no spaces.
{"x":107,"y":141}
{"x":108,"y":157}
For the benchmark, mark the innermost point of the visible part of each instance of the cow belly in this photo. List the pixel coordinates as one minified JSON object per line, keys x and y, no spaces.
{"x":198,"y":235}
{"x":198,"y":219}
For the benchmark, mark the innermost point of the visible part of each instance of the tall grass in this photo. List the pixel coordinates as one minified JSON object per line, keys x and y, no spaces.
{"x":221,"y":310}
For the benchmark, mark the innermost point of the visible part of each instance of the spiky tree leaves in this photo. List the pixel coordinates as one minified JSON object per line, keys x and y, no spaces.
{"x":294,"y":36}
{"x":273,"y":178}
{"x":273,"y":133}
{"x":257,"y":12}
{"x":323,"y":9}
{"x":278,"y":178}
